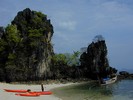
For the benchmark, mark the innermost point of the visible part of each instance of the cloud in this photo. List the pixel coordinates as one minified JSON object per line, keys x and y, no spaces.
{"x":108,"y":16}
{"x":69,"y":25}
{"x":64,"y":20}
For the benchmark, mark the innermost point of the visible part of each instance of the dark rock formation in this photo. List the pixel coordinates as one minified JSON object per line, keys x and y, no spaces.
{"x":1,"y":31}
{"x":125,"y":73}
{"x":26,"y":47}
{"x":26,"y":21}
{"x":94,"y":62}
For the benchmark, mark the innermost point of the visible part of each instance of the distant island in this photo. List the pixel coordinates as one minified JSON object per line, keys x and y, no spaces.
{"x":125,"y":75}
{"x":27,"y":53}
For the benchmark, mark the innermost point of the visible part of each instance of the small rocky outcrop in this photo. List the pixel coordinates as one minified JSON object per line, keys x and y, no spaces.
{"x":94,"y":62}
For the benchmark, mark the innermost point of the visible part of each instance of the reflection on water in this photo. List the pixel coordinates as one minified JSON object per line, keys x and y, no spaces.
{"x":122,"y":90}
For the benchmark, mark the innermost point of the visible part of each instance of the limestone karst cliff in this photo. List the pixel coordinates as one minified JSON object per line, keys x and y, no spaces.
{"x":27,"y":46}
{"x":95,"y":61}
{"x":31,"y":23}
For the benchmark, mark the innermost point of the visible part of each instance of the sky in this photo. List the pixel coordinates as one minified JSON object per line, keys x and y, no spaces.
{"x":77,"y":22}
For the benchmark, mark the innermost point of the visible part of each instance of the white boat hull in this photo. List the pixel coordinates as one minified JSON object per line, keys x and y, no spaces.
{"x":110,"y":81}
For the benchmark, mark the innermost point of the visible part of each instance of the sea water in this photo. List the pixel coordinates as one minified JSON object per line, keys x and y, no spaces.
{"x":121,"y":90}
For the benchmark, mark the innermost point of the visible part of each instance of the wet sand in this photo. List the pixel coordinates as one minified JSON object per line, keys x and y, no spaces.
{"x":11,"y":96}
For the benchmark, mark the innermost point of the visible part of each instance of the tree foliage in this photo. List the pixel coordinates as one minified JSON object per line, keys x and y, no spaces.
{"x":65,"y":65}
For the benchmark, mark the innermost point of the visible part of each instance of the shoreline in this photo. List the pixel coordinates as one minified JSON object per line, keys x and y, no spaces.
{"x":33,"y":87}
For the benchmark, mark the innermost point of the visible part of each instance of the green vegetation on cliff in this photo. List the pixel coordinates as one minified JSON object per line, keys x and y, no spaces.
{"x":65,"y":65}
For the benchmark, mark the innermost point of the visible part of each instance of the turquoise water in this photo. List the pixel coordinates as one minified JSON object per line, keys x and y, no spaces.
{"x":122,"y":90}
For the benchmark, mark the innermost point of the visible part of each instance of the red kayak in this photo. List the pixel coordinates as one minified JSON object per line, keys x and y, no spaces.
{"x":42,"y":92}
{"x":11,"y":90}
{"x":32,"y":92}
{"x":28,"y":94}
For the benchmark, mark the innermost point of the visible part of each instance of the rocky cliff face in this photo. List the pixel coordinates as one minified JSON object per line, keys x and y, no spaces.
{"x":1,"y":31}
{"x":36,"y":31}
{"x":44,"y":64}
{"x":94,"y":61}
{"x":25,"y":47}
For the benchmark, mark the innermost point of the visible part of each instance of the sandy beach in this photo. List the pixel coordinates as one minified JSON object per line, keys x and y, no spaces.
{"x":11,"y":96}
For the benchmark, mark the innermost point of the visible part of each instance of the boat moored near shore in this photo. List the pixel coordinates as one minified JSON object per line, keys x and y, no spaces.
{"x":107,"y":81}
